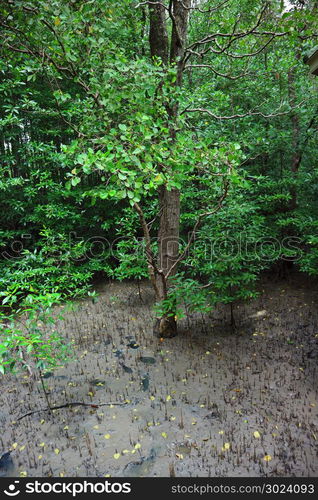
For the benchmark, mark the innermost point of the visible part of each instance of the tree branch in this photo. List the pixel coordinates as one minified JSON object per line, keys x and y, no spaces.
{"x":241,"y":34}
{"x":44,"y":56}
{"x":196,"y":226}
{"x":78,"y":132}
{"x":243,"y":115}
{"x":209,"y":66}
{"x":241,"y":56}
{"x":174,"y":23}
{"x":152,"y":267}
{"x":70,"y":405}
{"x":208,"y":11}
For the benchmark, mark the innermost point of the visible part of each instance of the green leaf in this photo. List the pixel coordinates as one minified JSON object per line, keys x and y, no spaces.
{"x":75,"y":181}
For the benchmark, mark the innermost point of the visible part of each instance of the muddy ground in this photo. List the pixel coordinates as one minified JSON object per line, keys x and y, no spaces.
{"x":207,"y":403}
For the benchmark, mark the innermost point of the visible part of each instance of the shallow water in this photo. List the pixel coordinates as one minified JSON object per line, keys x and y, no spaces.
{"x":207,"y":392}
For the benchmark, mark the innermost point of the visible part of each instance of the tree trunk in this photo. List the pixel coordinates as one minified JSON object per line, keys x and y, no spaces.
{"x":168,"y":243}
{"x":296,"y":153}
{"x":169,"y":201}
{"x":158,"y":36}
{"x":180,"y":15}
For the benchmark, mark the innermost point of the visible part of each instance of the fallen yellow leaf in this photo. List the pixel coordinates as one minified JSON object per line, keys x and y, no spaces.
{"x":256,"y":434}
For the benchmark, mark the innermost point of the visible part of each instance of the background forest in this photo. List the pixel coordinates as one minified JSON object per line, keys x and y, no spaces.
{"x":158,"y":174}
{"x":95,"y":122}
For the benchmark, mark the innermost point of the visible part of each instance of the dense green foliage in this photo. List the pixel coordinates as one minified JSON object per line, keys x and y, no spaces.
{"x":31,"y":333}
{"x":84,"y":134}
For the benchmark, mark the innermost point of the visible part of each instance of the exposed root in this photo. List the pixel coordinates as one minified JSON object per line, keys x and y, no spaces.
{"x":68,"y":405}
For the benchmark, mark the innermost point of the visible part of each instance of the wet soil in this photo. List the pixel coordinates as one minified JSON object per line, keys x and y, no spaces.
{"x":210,"y":402}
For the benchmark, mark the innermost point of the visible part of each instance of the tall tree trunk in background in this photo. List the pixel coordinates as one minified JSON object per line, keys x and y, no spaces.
{"x":296,"y":150}
{"x":169,"y":201}
{"x":158,"y":35}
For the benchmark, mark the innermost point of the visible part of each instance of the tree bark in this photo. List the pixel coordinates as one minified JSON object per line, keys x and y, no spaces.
{"x":158,"y":35}
{"x":179,"y":15}
{"x":169,"y":201}
{"x":168,"y":244}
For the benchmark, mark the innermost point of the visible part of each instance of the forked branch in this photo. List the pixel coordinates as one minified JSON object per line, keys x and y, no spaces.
{"x":197,"y":224}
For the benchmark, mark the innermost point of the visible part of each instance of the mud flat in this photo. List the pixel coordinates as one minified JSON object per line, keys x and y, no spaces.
{"x":207,"y":403}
